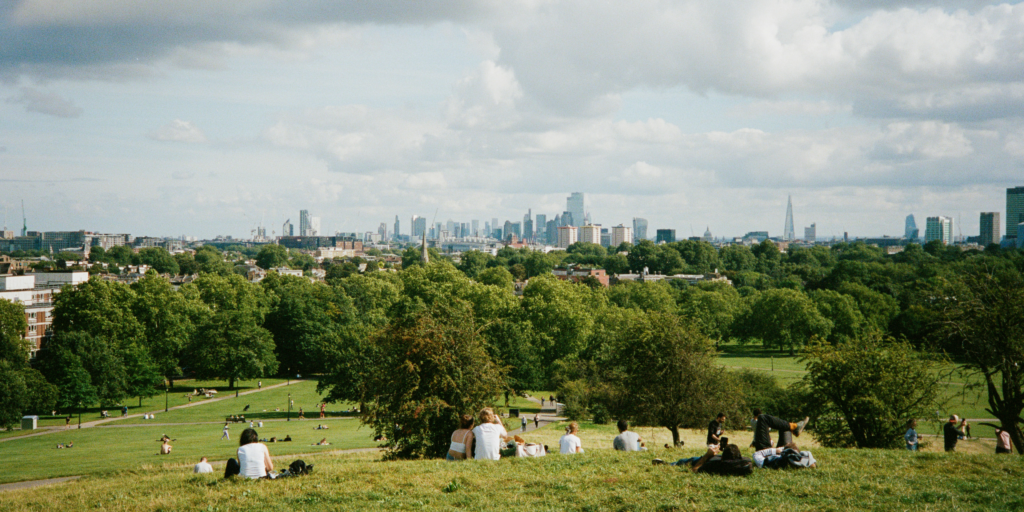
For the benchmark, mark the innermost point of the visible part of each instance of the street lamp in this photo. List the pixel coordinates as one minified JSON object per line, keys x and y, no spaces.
{"x":289,"y":406}
{"x":167,"y":388}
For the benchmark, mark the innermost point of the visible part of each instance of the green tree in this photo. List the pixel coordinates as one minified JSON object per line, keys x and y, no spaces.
{"x":474,"y":262}
{"x":413,"y":255}
{"x":700,"y":257}
{"x":841,"y":310}
{"x":737,"y":258}
{"x":13,"y":394}
{"x":863,"y":392}
{"x":120,"y":254}
{"x":211,"y":261}
{"x":656,"y":296}
{"x":782,"y":319}
{"x":538,"y":263}
{"x":616,"y":264}
{"x":426,"y":370}
{"x":563,"y":314}
{"x":231,"y":342}
{"x":159,"y":259}
{"x":878,"y":309}
{"x":12,"y":326}
{"x":497,"y":276}
{"x":643,"y":255}
{"x":664,"y":373}
{"x":981,"y":313}
{"x":272,"y":256}
{"x":187,"y":265}
{"x":167,"y":319}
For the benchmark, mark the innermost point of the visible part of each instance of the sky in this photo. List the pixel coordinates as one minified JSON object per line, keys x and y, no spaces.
{"x":210,"y":117}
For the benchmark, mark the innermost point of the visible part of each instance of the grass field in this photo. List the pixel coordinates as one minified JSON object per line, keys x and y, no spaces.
{"x":600,"y":479}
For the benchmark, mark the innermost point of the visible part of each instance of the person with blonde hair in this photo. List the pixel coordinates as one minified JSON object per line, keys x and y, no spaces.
{"x":570,"y":443}
{"x":488,"y":436}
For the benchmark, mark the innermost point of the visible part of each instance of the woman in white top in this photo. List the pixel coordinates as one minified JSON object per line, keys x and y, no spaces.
{"x":488,"y":436}
{"x":253,"y":456}
{"x":570,"y":444}
{"x":461,"y":439}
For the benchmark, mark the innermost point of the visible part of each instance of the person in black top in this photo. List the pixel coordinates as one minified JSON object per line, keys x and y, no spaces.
{"x":715,"y":429}
{"x":950,"y":434}
{"x":766,"y":421}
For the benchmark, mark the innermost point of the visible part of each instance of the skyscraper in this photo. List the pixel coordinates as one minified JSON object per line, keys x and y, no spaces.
{"x":475,"y":230}
{"x":397,"y":230}
{"x":574,"y":205}
{"x":494,"y":226}
{"x":566,"y":236}
{"x":528,"y":225}
{"x":304,"y":223}
{"x":287,"y":229}
{"x":639,"y":229}
{"x":788,"y":233}
{"x":939,"y":228}
{"x":540,"y":224}
{"x":419,"y":226}
{"x":1014,"y":210}
{"x":551,"y":231}
{"x":621,"y":234}
{"x":989,"y":229}
{"x":811,"y":233}
{"x":666,"y":235}
{"x":911,"y":233}
{"x":382,"y":230}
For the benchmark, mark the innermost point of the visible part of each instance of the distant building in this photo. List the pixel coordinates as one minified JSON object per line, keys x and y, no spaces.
{"x":590,"y":234}
{"x":621,"y":234}
{"x":707,"y":235}
{"x":939,"y":228}
{"x":35,"y":292}
{"x":577,"y":275}
{"x":788,"y":233}
{"x":305,"y":229}
{"x":989,"y":229}
{"x":1014,"y":210}
{"x":398,"y":230}
{"x":811,"y":233}
{"x":566,"y":236}
{"x":606,"y":237}
{"x":756,"y":236}
{"x":287,"y":229}
{"x":575,"y":207}
{"x":419,"y":226}
{"x":665,"y":235}
{"x":541,"y":225}
{"x":910,"y":229}
{"x":639,"y":229}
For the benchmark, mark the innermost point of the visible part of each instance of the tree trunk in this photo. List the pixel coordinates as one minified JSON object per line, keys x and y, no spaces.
{"x":231,"y":383}
{"x":675,"y":435}
{"x":140,"y":400}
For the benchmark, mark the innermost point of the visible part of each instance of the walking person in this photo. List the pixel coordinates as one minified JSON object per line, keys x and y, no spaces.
{"x":536,"y":420}
{"x":524,"y":423}
{"x":323,"y":405}
{"x":911,"y":436}
{"x":226,"y":434}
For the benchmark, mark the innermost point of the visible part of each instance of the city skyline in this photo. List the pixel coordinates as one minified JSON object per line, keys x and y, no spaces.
{"x":688,"y":114}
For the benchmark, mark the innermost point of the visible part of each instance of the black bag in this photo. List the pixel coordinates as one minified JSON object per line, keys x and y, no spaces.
{"x":737,"y":467}
{"x":299,"y":467}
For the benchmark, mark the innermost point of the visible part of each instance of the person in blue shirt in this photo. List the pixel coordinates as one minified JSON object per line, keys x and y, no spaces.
{"x":911,"y":436}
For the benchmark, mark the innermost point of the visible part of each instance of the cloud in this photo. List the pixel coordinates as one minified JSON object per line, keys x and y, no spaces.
{"x":49,"y":103}
{"x":179,"y":131}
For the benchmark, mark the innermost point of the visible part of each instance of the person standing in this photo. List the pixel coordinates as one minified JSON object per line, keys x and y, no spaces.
{"x":524,"y":423}
{"x":259,"y":385}
{"x":67,"y":423}
{"x":911,"y":436}
{"x":541,"y":402}
{"x":323,"y":405}
{"x":570,"y":443}
{"x":626,"y":441}
{"x":301,"y":415}
{"x":227,"y":433}
{"x":124,"y":411}
{"x":536,"y":420}
{"x":715,"y":430}
{"x":950,"y":434}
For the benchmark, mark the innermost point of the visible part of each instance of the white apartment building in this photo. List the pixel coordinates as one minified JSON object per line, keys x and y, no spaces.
{"x":566,"y":236}
{"x":621,"y":234}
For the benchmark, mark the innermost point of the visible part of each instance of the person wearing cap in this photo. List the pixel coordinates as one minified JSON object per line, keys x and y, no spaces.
{"x":950,"y":433}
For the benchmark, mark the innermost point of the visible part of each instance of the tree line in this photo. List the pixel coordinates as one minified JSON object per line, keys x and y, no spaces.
{"x":419,"y":346}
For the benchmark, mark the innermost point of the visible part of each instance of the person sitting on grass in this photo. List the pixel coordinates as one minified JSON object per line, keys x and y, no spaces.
{"x":70,"y":445}
{"x":323,"y":442}
{"x":165,"y":448}
{"x":461,"y":439}
{"x":730,"y":462}
{"x":1003,"y":442}
{"x":489,"y":437}
{"x":715,"y":430}
{"x":253,"y":457}
{"x":627,"y":441}
{"x":789,"y":456}
{"x":202,"y":467}
{"x":570,"y":443}
{"x":766,"y":421}
{"x":287,"y":438}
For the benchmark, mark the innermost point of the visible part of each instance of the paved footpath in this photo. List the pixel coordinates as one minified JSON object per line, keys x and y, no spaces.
{"x":547,"y":415}
{"x":89,"y":424}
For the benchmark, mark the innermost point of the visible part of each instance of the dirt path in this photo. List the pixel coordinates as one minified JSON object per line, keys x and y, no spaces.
{"x":89,"y":424}
{"x":36,"y":483}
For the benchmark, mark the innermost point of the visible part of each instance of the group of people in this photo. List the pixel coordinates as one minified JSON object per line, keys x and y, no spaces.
{"x":61,"y":446}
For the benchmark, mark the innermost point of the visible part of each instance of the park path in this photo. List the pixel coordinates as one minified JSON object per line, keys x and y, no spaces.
{"x":547,"y":415}
{"x":89,"y":424}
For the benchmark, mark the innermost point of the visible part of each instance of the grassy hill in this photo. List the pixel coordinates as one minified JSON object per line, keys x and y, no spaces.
{"x":600,"y":479}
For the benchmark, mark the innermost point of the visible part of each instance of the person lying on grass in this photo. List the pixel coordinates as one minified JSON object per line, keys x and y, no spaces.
{"x":323,"y":442}
{"x":766,"y":421}
{"x":788,"y":456}
{"x":731,"y":462}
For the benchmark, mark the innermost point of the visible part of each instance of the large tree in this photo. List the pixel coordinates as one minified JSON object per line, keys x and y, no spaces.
{"x":782,"y":319}
{"x":864,"y":391}
{"x":982,"y":324}
{"x":167,"y":318}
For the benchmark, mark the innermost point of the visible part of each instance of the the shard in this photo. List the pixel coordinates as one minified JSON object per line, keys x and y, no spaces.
{"x":788,"y":233}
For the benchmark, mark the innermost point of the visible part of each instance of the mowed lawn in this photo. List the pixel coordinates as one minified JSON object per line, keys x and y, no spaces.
{"x":102,"y":450}
{"x":266,"y":404}
{"x":595,"y":481}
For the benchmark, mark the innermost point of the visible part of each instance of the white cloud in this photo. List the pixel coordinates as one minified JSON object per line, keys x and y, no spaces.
{"x":929,"y":139}
{"x":179,"y":131}
{"x":49,"y":103}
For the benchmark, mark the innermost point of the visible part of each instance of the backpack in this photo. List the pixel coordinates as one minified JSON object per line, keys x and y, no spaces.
{"x":299,"y":467}
{"x":737,"y":467}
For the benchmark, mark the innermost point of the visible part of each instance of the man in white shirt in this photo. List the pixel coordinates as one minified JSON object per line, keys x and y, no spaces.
{"x":570,"y":444}
{"x":203,"y":467}
{"x":627,"y":440}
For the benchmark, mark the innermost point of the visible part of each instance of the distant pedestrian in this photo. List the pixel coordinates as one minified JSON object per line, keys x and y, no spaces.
{"x":67,"y":422}
{"x":911,"y":436}
{"x":950,"y":434}
{"x":259,"y":385}
{"x":124,"y":411}
{"x":541,"y":402}
{"x":323,"y":405}
{"x":301,"y":414}
{"x":524,"y":423}
{"x":227,"y":433}
{"x":536,"y":421}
